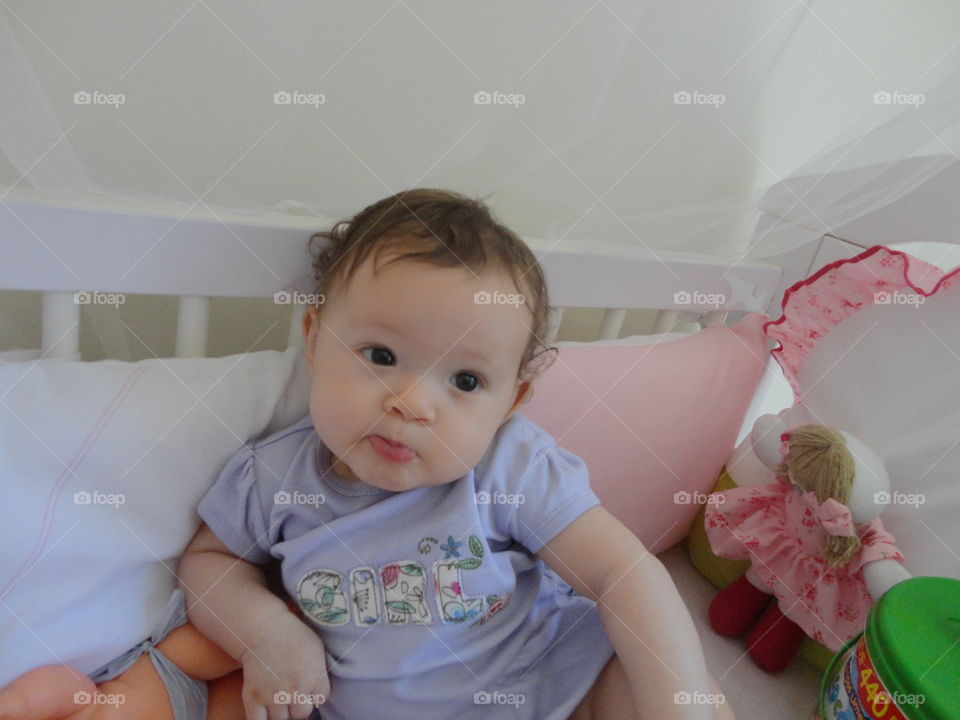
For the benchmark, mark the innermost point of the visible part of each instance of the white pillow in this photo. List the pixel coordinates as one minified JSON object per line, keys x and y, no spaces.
{"x":83,"y":582}
{"x":890,"y":375}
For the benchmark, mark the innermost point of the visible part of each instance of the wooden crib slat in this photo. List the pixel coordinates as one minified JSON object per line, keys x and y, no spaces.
{"x":60,"y":324}
{"x":553,"y":325}
{"x":612,"y":323}
{"x":665,"y":321}
{"x":193,"y":320}
{"x":295,"y":335}
{"x":717,"y":317}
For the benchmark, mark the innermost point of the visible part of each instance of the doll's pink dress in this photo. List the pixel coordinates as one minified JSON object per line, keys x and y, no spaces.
{"x":775,"y":528}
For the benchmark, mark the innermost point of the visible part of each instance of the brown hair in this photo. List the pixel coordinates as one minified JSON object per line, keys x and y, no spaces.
{"x":444,"y":229}
{"x":819,"y":461}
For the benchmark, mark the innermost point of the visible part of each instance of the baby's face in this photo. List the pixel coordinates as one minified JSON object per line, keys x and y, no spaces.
{"x":407,"y":355}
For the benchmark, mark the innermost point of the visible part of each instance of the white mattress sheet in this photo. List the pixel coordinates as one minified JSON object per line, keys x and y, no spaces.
{"x":752,"y":693}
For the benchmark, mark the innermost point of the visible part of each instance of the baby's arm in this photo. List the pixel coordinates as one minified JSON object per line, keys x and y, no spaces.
{"x":642,"y":612}
{"x":228,"y":601}
{"x":236,"y":603}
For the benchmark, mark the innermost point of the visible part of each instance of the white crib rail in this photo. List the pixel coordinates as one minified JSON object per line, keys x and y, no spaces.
{"x":62,"y":251}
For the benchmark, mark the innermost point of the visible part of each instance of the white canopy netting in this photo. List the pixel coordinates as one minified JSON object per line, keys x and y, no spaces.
{"x":659,"y":127}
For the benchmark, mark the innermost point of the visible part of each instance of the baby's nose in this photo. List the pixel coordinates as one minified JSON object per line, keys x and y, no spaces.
{"x":414,"y":403}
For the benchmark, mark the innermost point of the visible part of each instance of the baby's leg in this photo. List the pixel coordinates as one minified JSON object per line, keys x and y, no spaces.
{"x":46,"y":693}
{"x":224,"y":697}
{"x":58,"y":692}
{"x":200,"y":658}
{"x":611,"y":698}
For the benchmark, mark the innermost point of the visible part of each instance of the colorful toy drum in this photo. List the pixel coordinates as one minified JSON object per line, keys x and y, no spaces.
{"x":905,"y":665}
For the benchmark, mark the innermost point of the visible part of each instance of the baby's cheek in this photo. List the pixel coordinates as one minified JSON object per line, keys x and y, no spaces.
{"x":464,"y":452}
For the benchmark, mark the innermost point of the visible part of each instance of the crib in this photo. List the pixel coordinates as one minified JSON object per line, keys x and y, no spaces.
{"x":73,"y":253}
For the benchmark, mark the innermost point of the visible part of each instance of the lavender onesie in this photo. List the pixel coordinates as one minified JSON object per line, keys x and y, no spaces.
{"x":430,"y":602}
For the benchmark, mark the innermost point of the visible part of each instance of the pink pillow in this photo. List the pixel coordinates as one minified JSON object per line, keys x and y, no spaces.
{"x":665,"y":423}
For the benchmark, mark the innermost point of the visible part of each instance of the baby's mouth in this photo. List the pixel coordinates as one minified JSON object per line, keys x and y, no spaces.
{"x":397,"y":452}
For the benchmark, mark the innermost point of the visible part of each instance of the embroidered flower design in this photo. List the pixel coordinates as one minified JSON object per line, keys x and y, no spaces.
{"x":451,"y":548}
{"x":389,"y":575}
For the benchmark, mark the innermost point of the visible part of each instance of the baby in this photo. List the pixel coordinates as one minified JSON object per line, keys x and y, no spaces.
{"x":442,"y":555}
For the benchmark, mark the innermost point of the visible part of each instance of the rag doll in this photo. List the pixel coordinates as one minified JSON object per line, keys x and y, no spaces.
{"x":813,"y":538}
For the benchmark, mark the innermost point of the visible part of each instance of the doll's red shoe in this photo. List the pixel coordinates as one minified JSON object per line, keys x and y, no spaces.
{"x":774,"y":640}
{"x":737,"y":607}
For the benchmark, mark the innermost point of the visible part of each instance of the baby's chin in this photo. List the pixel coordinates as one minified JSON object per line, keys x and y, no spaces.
{"x":406,"y":479}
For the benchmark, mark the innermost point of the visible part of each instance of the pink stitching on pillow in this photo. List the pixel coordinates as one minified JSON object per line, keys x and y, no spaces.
{"x":67,"y":473}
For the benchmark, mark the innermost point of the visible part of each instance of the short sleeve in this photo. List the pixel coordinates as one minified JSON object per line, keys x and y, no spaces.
{"x":235,"y":510}
{"x":542,"y":499}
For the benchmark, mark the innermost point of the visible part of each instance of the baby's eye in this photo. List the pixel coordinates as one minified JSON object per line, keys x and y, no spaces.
{"x":468,"y":382}
{"x":379,"y":353}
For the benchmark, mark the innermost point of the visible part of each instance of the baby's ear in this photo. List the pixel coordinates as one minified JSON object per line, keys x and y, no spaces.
{"x":310,"y":325}
{"x":524,"y":393}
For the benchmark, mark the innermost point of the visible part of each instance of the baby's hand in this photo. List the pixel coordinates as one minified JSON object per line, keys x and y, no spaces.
{"x":284,"y":672}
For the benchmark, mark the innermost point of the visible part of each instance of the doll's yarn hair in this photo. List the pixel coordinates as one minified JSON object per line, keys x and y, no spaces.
{"x":818,"y":460}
